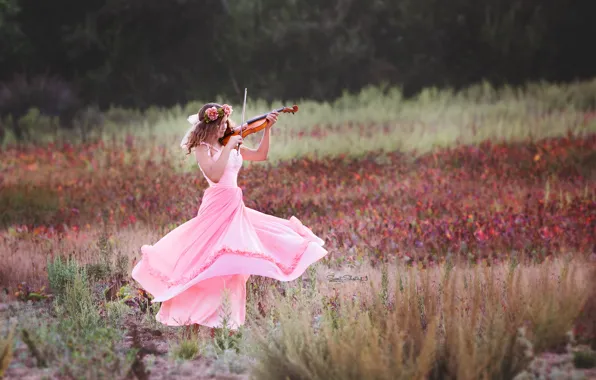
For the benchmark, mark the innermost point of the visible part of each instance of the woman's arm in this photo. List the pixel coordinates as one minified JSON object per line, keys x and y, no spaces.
{"x":259,"y":154}
{"x":262,"y":152}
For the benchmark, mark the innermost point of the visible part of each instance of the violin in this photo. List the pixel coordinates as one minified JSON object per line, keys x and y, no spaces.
{"x":254,"y":125}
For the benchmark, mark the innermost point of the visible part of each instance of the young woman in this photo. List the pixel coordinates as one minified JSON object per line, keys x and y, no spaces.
{"x":226,"y":242}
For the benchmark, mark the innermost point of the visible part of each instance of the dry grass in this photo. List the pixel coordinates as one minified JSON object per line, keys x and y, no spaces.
{"x":26,"y":259}
{"x":473,"y":323}
{"x":6,"y":347}
{"x":396,"y":321}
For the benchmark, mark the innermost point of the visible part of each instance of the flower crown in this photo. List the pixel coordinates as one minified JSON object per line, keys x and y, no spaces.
{"x":213,"y":113}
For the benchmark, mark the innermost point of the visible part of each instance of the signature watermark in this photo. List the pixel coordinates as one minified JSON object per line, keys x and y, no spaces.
{"x":346,"y":277}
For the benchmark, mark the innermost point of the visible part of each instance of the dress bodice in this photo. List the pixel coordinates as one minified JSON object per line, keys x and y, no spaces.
{"x":230,"y":175}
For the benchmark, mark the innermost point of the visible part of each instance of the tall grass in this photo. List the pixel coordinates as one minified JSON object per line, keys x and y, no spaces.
{"x":382,"y":119}
{"x":476,"y":323}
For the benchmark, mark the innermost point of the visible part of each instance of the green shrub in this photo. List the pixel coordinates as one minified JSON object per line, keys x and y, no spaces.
{"x":61,"y":273}
{"x":77,"y":308}
{"x":186,"y":349}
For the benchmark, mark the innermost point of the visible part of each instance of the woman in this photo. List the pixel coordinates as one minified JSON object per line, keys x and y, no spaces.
{"x":226,"y":242}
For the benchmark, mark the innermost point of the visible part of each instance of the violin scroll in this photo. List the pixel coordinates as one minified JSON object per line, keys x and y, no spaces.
{"x":292,"y":109}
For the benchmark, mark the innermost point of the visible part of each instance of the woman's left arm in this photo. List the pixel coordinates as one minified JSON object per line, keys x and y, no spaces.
{"x":261,"y":153}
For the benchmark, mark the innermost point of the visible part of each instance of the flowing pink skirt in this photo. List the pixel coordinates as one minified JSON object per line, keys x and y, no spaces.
{"x":220,"y":248}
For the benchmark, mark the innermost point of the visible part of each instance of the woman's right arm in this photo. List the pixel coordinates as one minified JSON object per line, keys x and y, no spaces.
{"x":213,"y":169}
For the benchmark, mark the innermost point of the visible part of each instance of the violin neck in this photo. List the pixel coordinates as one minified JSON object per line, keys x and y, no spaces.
{"x":261,"y":117}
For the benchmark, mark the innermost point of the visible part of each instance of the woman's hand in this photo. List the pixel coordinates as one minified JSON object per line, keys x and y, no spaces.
{"x":234,"y":140}
{"x":272,"y":118}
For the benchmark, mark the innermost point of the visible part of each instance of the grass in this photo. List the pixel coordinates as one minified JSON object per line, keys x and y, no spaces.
{"x":6,"y":349}
{"x":380,"y":119}
{"x":72,"y":336}
{"x":446,"y":322}
{"x":453,"y":320}
{"x":188,"y":347}
{"x":459,"y":229}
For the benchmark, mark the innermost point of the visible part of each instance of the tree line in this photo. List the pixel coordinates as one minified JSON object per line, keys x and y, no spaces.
{"x":138,"y":53}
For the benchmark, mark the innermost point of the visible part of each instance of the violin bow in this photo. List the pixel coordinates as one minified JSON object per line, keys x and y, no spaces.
{"x":243,"y":114}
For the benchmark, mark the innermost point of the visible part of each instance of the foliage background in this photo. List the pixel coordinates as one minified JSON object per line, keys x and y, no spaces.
{"x":142,"y":53}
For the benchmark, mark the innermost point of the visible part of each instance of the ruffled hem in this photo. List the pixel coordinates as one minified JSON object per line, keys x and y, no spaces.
{"x":234,"y":326}
{"x":286,"y":269}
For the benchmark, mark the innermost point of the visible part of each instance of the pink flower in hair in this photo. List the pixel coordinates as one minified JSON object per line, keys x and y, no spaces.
{"x":212,"y":113}
{"x":227,"y":109}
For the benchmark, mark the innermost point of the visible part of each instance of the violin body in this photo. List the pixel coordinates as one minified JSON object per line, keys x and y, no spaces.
{"x":255,"y":124}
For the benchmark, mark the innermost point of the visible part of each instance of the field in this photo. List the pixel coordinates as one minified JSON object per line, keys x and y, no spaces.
{"x":461,"y":230}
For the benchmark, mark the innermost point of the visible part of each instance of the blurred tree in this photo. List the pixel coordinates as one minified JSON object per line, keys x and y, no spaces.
{"x":149,"y":51}
{"x":138,"y":53}
{"x":13,"y":40}
{"x":301,"y":48}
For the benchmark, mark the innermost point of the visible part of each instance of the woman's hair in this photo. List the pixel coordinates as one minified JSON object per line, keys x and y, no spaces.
{"x":203,"y":130}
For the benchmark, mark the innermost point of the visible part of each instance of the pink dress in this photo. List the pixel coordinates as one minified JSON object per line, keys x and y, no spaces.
{"x":223,"y":245}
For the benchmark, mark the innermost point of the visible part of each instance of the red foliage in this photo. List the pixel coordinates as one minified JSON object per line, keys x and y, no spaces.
{"x":480,"y":201}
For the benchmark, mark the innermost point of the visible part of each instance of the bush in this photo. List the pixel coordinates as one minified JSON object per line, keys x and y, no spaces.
{"x":187,"y":349}
{"x":76,"y":307}
{"x":61,"y":274}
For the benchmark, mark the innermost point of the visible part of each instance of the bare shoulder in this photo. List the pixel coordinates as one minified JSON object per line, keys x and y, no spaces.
{"x":201,"y":148}
{"x":202,"y":154}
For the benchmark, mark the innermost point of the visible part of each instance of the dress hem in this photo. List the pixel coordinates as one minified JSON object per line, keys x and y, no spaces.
{"x":285,"y":269}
